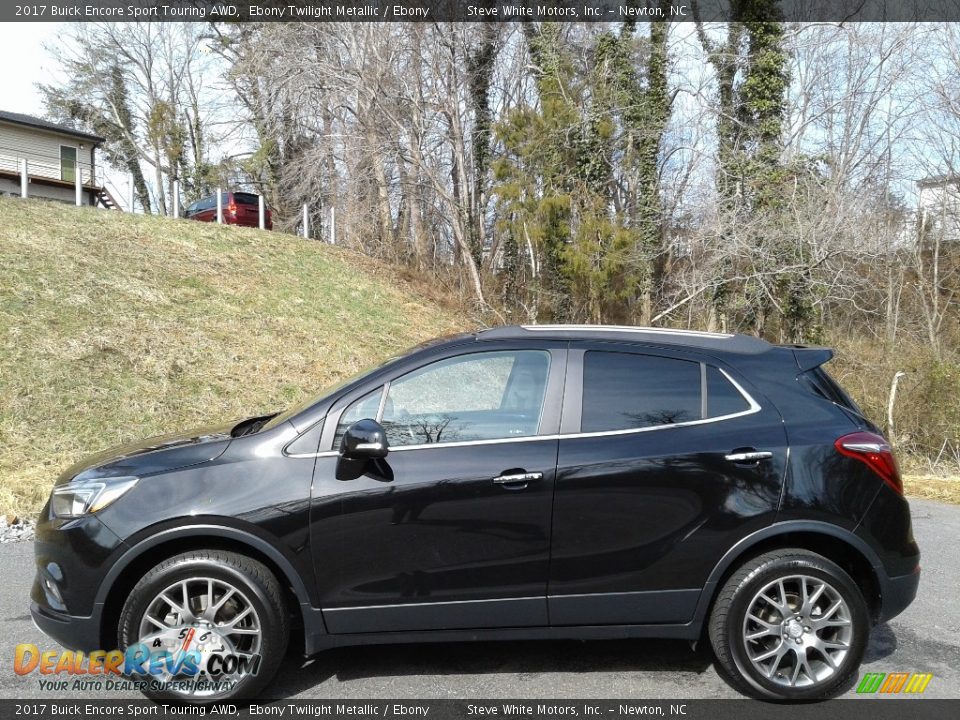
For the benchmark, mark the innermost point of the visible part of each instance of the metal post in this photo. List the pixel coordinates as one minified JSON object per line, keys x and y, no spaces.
{"x":219,"y":207}
{"x":176,"y":198}
{"x":306,"y":222}
{"x":130,"y":196}
{"x":78,"y":185}
{"x":333,"y":225}
{"x":23,"y":177}
{"x":263,"y":213}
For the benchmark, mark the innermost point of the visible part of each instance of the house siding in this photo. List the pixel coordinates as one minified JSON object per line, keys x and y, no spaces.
{"x":41,"y":148}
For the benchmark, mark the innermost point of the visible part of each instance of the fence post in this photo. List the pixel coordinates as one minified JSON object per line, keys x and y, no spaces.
{"x":306,"y":222}
{"x":23,"y":177}
{"x":176,"y":198}
{"x":78,"y":184}
{"x":219,"y":206}
{"x":333,"y":225}
{"x":130,"y":197}
{"x":263,"y":212}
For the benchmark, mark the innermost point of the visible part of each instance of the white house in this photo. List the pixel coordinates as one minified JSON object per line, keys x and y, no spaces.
{"x":54,"y":155}
{"x":940,"y":204}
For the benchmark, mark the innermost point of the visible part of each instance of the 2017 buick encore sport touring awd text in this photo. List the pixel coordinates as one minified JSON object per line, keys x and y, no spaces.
{"x":528,"y":482}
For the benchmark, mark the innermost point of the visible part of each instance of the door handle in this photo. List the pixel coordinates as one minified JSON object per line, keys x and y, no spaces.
{"x":516,"y":478}
{"x":748,"y":456}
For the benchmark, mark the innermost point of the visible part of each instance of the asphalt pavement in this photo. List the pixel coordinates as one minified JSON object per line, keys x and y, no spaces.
{"x":925,"y":638}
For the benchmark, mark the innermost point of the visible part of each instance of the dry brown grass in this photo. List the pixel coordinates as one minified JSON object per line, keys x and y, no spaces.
{"x":929,"y":487}
{"x":115,"y":327}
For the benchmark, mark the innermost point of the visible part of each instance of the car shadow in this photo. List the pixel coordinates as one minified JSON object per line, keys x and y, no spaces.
{"x":883,"y":643}
{"x":527,"y":660}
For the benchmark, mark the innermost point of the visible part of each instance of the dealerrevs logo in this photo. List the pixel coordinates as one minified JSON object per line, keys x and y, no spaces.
{"x":889,"y":683}
{"x":182,"y":658}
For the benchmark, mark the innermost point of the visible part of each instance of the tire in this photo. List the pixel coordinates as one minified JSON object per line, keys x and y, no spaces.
{"x":770,"y":654}
{"x":247,"y":618}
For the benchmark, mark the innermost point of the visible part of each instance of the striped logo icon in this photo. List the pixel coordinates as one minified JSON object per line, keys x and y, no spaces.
{"x":900,"y":682}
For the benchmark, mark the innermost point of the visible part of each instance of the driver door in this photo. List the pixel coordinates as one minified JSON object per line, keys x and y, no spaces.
{"x":442,"y":534}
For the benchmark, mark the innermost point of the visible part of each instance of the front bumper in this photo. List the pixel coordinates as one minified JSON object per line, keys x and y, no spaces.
{"x":72,"y":631}
{"x":72,"y":558}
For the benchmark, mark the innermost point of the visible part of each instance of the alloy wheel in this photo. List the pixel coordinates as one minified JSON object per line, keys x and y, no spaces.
{"x":207,"y":617}
{"x":797,"y":631}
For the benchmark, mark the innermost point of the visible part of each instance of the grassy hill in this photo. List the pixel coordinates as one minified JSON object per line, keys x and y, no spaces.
{"x":115,"y":327}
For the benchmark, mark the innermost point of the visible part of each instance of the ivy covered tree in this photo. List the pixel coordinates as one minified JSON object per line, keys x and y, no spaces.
{"x":578,"y":184}
{"x":768,"y":292}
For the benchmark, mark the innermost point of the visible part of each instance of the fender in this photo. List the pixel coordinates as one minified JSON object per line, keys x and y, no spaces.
{"x":312,"y":617}
{"x":782,"y":528}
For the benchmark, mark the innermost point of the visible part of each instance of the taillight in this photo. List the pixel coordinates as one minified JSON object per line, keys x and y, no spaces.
{"x":874,"y":451}
{"x":232,"y":208}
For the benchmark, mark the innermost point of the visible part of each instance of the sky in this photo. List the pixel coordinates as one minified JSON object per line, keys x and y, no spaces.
{"x":25,"y":63}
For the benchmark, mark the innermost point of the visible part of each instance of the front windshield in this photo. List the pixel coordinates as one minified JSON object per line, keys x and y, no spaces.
{"x":292,"y":412}
{"x":297,"y":409}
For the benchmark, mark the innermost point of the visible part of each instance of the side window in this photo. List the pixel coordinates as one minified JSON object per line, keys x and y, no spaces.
{"x":722,"y":397}
{"x":365,"y":407}
{"x":622,"y":391}
{"x":480,"y":396}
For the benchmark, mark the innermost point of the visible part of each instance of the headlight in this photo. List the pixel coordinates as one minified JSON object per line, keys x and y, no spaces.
{"x":87,"y":496}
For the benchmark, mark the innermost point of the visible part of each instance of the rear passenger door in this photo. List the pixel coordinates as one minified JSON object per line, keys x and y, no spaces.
{"x":665,"y":460}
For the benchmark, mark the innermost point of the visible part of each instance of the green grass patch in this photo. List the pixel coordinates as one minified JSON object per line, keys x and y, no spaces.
{"x":115,"y":327}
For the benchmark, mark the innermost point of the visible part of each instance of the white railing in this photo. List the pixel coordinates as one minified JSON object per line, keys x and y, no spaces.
{"x":50,"y":167}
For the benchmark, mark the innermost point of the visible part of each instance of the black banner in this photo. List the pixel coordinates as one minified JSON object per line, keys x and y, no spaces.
{"x":466,"y":10}
{"x":877,"y":708}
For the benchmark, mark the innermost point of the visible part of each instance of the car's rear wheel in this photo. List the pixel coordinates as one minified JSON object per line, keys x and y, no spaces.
{"x":790,"y":624}
{"x":209,"y":626}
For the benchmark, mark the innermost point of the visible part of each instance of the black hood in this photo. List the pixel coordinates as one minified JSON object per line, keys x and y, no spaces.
{"x":156,"y":454}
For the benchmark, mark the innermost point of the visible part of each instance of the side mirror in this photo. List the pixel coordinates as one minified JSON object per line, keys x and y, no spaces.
{"x":364,"y":440}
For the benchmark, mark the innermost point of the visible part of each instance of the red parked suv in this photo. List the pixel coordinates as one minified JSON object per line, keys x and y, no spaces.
{"x":239,"y":208}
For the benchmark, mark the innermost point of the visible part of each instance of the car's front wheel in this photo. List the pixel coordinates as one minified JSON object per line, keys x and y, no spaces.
{"x":205,"y":626}
{"x":790,"y":624}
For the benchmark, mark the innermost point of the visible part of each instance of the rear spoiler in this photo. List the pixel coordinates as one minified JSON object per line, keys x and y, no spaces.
{"x":809,"y":358}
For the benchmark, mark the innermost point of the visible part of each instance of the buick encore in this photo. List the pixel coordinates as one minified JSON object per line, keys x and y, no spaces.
{"x":532,"y":482}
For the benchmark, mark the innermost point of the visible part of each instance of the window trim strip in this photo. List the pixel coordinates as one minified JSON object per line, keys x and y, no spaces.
{"x":704,"y":410}
{"x":755,"y":407}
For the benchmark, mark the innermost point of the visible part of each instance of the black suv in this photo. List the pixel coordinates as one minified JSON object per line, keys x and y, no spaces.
{"x":516,"y":483}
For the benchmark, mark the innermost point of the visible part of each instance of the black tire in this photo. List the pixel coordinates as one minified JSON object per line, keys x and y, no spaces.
{"x":252,"y":578}
{"x":727,"y":628}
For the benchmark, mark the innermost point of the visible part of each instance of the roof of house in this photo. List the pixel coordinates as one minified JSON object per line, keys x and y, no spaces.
{"x":655,"y":336}
{"x":41,"y":124}
{"x":934,"y":180}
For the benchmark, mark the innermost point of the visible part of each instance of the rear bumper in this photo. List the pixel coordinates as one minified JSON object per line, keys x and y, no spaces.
{"x":897,"y":593}
{"x":72,"y":631}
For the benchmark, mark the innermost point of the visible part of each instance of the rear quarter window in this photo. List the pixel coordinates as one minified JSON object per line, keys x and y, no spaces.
{"x":722,"y":397}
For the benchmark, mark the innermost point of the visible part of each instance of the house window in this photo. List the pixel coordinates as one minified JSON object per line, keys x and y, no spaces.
{"x":68,"y":163}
